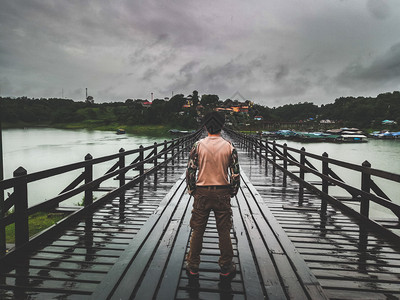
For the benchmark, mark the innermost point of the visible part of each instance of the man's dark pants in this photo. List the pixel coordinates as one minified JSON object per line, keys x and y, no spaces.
{"x":206,"y":200}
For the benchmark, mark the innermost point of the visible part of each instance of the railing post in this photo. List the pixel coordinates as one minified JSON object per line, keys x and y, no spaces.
{"x":155,"y":154}
{"x":255,"y":147}
{"x":21,"y":208}
{"x":141,"y":168}
{"x":121,"y":166}
{"x":173,"y":151}
{"x":121,"y":176}
{"x":301,"y":186}
{"x":155,"y":161}
{"x":165,"y":153}
{"x":325,"y":183}
{"x":180,"y":149}
{"x":141,"y":158}
{"x":274,"y":158}
{"x":259,"y":141}
{"x":266,"y":157}
{"x":365,"y":187}
{"x":88,"y":178}
{"x":285,"y":164}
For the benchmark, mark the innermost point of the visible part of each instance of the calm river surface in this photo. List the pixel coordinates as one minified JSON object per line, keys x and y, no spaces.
{"x":38,"y":149}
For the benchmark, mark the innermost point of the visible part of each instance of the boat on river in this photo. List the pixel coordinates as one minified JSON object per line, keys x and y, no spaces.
{"x":352,"y":138}
{"x":343,"y":135}
{"x":179,"y":132}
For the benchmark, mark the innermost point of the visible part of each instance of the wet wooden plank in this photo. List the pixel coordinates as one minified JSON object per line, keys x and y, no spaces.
{"x":171,"y":275}
{"x":252,"y":286}
{"x":304,"y":274}
{"x":156,"y":267}
{"x":114,"y":278}
{"x":271,"y":279}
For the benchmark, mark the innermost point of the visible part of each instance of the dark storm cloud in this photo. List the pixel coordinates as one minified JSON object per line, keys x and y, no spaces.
{"x":269,"y":51}
{"x":384,"y":68}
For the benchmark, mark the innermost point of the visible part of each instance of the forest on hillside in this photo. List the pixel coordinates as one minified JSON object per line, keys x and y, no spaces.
{"x":358,"y":112}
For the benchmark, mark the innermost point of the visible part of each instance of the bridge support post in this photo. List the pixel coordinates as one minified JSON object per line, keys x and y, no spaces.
{"x":155,"y":162}
{"x":364,"y":207}
{"x":141,"y":168}
{"x":165,"y":159}
{"x":325,"y":184}
{"x":274,"y":158}
{"x":121,"y":175}
{"x":266,"y":157}
{"x":155,"y":154}
{"x":88,"y":178}
{"x":285,"y":164}
{"x":255,"y":147}
{"x":365,"y":187}
{"x":178,"y":150}
{"x":301,"y":186}
{"x":21,"y":208}
{"x":173,"y":151}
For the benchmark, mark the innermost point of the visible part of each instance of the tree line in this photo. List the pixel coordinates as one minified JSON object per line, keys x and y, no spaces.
{"x":361,"y":112}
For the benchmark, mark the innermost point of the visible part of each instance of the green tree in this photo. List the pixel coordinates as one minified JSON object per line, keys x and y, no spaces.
{"x":195,"y":98}
{"x":209,"y":100}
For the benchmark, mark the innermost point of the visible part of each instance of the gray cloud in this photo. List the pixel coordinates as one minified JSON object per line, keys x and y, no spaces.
{"x":383,"y":69}
{"x":378,"y":8}
{"x":268,"y":51}
{"x":282,"y":72}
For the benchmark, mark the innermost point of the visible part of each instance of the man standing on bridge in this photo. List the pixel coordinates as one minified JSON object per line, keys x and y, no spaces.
{"x":211,"y":158}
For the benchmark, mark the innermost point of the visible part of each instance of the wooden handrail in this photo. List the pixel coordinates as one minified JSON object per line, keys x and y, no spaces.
{"x":118,"y":169}
{"x":328,"y":177}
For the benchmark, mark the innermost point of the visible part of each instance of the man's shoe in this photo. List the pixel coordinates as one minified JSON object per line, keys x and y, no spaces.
{"x":228,"y":271}
{"x":192,"y":272}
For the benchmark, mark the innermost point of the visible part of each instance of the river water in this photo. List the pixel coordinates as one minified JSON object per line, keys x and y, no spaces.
{"x":38,"y":149}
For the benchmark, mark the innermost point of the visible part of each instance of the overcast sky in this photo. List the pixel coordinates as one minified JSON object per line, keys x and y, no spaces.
{"x":273,"y":52}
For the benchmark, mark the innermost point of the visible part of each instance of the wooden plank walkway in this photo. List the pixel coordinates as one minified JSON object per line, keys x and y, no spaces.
{"x":71,"y":265}
{"x":281,"y":251}
{"x":152,"y":266}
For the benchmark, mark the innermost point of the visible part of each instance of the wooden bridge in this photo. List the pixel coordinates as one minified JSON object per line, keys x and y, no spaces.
{"x":294,"y":237}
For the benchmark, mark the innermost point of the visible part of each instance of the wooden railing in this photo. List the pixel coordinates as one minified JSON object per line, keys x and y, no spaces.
{"x":282,"y":156}
{"x":157,"y":155}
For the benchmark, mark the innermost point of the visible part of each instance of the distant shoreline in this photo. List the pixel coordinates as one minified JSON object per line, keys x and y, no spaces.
{"x":149,"y":130}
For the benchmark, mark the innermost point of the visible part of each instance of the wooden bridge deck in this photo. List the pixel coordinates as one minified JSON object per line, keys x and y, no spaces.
{"x":282,"y":252}
{"x":348,"y":261}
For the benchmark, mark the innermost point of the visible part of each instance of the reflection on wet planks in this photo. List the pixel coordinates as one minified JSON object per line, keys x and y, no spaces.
{"x":349,"y":262}
{"x":73,"y":264}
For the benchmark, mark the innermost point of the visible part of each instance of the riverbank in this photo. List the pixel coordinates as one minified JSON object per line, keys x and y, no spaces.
{"x":37,"y":223}
{"x":143,"y":130}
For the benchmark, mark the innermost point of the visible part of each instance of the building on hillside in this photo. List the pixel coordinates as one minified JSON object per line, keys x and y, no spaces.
{"x":147,"y":104}
{"x":188,"y":102}
{"x":389,"y":122}
{"x":224,"y":109}
{"x":244,"y":109}
{"x":327,"y":121}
